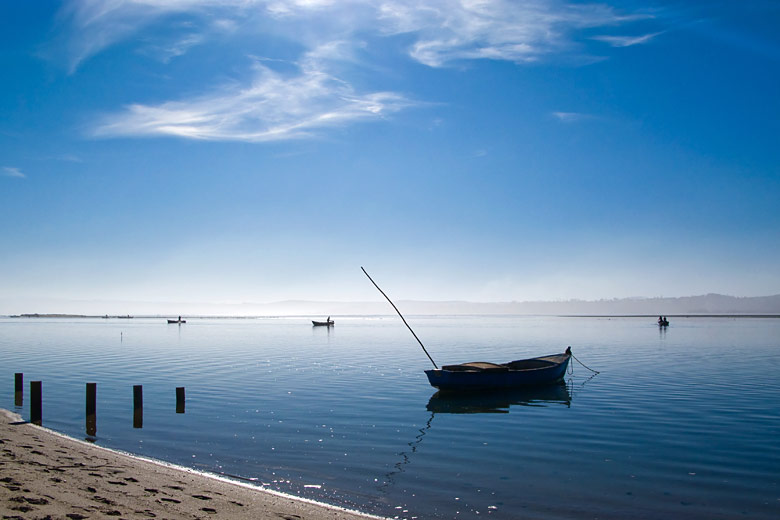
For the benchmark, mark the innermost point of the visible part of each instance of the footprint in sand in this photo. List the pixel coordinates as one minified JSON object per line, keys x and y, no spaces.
{"x":117,"y":482}
{"x":34,"y":501}
{"x":201,"y":497}
{"x":164,"y":499}
{"x":151,"y":490}
{"x":209,"y":510}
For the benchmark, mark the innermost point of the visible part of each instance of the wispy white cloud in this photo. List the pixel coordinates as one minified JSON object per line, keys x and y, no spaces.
{"x":493,"y":29}
{"x":273,"y":107}
{"x":626,"y":41}
{"x":97,"y":24}
{"x":443,"y":31}
{"x":9,"y":171}
{"x":169,"y":51}
{"x":570,"y":117}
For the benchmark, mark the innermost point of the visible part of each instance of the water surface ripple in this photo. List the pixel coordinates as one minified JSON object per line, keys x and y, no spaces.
{"x":680,"y":423}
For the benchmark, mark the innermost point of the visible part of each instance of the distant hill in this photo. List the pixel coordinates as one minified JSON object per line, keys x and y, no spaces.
{"x":709,"y":304}
{"x":690,"y":305}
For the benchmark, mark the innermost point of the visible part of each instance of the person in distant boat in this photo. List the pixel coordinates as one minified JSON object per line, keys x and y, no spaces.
{"x":179,"y":318}
{"x":329,"y":320}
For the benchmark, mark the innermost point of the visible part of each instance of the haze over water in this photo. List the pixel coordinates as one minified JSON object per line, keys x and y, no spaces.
{"x":680,"y":422}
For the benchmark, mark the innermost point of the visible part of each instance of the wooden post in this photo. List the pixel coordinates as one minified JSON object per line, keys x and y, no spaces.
{"x":179,"y":399}
{"x":36,"y":403}
{"x":91,"y":409}
{"x":138,"y":406}
{"x":18,"y":389}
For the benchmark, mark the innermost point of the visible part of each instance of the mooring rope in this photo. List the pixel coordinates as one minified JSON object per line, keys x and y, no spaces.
{"x":583,"y":364}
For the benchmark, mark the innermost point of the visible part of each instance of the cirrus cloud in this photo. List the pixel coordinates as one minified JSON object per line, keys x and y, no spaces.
{"x":10,"y":171}
{"x":626,"y":41}
{"x":494,"y":29}
{"x":570,"y":117}
{"x":442,"y":30}
{"x":319,"y":37}
{"x":273,"y":107}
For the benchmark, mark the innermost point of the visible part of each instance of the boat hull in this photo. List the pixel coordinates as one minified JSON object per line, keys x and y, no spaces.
{"x":322,"y":323}
{"x":553,"y":369}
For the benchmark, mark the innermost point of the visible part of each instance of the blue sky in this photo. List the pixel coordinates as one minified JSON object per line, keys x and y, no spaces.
{"x":255,"y":151}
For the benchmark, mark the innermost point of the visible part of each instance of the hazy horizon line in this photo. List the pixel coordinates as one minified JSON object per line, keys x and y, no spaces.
{"x":411,"y":300}
{"x":709,"y":304}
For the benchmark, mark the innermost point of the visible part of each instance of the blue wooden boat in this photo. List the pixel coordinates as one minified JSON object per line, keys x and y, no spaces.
{"x":481,"y":375}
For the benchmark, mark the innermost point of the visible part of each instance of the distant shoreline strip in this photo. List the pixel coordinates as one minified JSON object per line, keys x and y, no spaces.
{"x":688,"y":315}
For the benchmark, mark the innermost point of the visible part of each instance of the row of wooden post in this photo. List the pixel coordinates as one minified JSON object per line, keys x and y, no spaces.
{"x":36,"y":402}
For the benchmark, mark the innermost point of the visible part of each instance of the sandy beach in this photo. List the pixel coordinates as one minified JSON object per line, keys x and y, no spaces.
{"x":47,"y":475}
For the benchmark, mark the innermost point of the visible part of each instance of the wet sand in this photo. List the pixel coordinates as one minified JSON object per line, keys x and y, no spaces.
{"x":47,"y":475}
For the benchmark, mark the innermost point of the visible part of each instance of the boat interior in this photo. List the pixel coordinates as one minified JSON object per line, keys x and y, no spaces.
{"x":521,"y":364}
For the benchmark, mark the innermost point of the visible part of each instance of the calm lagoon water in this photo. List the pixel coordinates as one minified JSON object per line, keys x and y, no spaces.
{"x":681,"y":423}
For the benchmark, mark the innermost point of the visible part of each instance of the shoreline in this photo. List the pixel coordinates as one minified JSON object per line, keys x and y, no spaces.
{"x":44,"y":473}
{"x":456,"y":315}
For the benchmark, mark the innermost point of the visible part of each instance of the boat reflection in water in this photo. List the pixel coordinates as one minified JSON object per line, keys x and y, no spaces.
{"x":499,"y":401}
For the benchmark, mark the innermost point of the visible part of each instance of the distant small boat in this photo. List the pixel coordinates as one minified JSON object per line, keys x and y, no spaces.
{"x":328,"y":323}
{"x":663,"y":323}
{"x":177,"y":321}
{"x":481,"y":375}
